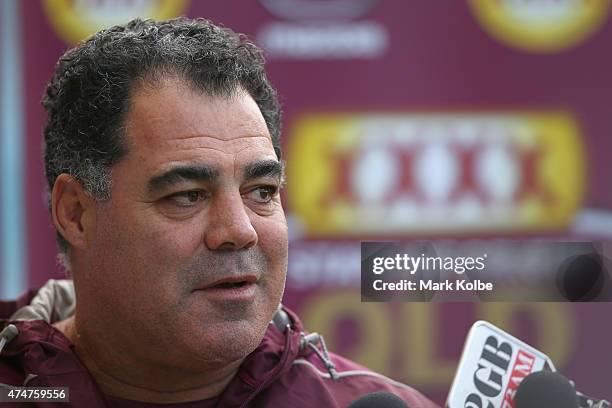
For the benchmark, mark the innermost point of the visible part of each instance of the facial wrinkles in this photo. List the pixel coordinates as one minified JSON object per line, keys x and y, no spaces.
{"x":192,"y":149}
{"x":234,"y":146}
{"x":208,"y":267}
{"x":154,"y":124}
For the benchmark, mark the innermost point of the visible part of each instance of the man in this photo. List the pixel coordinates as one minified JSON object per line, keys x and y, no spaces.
{"x":162,"y":157}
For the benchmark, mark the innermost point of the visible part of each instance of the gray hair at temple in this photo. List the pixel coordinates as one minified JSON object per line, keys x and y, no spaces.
{"x":88,"y":96}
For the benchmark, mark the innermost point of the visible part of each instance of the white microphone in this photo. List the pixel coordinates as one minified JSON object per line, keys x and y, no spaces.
{"x":492,"y":367}
{"x":8,"y":334}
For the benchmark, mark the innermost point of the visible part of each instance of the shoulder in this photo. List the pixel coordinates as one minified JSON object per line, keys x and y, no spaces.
{"x":35,"y":348}
{"x":310,"y":377}
{"x":317,"y":377}
{"x":12,"y":363}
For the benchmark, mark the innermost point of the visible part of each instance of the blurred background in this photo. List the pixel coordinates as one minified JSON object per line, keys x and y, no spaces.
{"x":415,"y":119}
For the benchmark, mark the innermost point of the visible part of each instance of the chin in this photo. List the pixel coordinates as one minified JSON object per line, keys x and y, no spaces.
{"x":232,"y":341}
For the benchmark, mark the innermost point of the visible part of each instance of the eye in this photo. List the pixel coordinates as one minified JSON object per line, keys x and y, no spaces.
{"x":263,"y":194}
{"x":187,"y":198}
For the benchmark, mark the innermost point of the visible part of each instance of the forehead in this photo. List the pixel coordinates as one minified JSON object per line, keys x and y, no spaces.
{"x":172,"y":123}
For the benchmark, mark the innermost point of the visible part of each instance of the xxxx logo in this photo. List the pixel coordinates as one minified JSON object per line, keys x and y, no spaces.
{"x":369,"y":173}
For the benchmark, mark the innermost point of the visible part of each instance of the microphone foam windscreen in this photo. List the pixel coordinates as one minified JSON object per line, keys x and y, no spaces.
{"x":379,"y":399}
{"x":9,"y":332}
{"x":546,"y":389}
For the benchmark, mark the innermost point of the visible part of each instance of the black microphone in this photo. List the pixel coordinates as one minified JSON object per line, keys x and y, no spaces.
{"x":546,"y":389}
{"x":590,"y":402}
{"x":379,"y":399}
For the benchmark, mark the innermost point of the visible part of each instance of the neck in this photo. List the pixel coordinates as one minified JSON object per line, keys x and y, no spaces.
{"x":121,"y":374}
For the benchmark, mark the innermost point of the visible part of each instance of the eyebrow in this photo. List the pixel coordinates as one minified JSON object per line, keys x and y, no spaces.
{"x":264,"y":168}
{"x":183,"y":173}
{"x":255,"y":170}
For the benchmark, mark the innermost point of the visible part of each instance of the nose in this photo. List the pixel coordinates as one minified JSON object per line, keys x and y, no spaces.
{"x":229,"y":226}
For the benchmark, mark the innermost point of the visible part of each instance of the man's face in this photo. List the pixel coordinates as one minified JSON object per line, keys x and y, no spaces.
{"x":189,"y":255}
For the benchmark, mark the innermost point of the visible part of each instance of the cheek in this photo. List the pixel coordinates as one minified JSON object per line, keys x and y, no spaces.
{"x":271,"y":229}
{"x":171,"y":242}
{"x":273,"y":239}
{"x":144,"y":229}
{"x":138,"y":245}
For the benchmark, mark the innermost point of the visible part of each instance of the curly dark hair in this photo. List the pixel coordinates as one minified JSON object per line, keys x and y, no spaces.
{"x":87,"y":97}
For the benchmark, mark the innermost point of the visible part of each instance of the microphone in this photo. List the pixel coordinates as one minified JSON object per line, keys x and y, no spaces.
{"x":546,"y":389}
{"x":584,"y":401}
{"x":378,"y":399}
{"x":8,"y":334}
{"x":493,"y":365}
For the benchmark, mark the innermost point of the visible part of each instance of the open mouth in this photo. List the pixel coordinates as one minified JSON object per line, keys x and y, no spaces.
{"x":236,"y":283}
{"x":243,"y":289}
{"x":230,"y":285}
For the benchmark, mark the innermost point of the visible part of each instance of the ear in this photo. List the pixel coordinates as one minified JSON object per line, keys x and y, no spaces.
{"x":73,"y":211}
